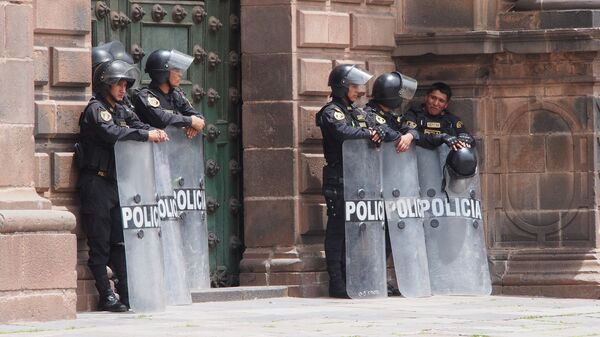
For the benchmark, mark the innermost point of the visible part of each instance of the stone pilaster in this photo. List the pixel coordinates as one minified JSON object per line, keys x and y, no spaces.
{"x":285,"y":73}
{"x":38,"y":257}
{"x":529,"y":95}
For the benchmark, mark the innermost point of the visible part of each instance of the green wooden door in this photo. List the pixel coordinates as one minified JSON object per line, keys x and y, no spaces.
{"x":209,"y":31}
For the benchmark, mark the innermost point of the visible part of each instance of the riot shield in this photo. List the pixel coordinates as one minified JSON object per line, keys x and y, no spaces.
{"x":453,"y":229}
{"x":365,"y":215}
{"x":175,"y":275}
{"x":186,"y":162}
{"x":139,"y":208}
{"x":405,"y":221}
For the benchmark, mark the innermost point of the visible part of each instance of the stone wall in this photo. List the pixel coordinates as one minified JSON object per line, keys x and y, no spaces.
{"x":41,"y":47}
{"x":285,"y":73}
{"x":526,"y":85}
{"x":62,"y":55}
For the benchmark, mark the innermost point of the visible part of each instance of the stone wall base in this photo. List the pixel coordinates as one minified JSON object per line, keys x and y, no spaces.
{"x":301,"y":268}
{"x":572,"y":273}
{"x":44,"y":305}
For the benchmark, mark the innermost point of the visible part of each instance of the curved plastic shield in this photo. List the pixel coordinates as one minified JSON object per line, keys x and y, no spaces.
{"x":175,"y":275}
{"x":453,"y":229}
{"x":139,"y":208}
{"x":405,"y":220}
{"x":365,"y":216}
{"x":186,"y":162}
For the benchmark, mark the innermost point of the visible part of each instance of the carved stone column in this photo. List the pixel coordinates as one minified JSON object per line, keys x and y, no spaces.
{"x":37,"y":249}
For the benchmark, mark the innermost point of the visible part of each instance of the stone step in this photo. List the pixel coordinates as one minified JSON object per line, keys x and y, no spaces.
{"x":238,"y":293}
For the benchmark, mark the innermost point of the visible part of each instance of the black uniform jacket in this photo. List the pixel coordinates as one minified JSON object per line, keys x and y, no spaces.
{"x":431,"y":128}
{"x":160,"y":110}
{"x":339,"y":122}
{"x":101,"y":126}
{"x":391,"y":124}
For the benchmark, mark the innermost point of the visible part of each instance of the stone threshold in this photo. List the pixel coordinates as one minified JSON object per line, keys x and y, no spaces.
{"x":238,"y":293}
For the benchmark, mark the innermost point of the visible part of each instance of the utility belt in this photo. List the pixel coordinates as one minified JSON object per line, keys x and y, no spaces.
{"x":333,"y":174}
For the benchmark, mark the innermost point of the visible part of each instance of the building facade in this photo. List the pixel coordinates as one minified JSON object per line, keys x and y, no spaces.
{"x":524,"y":74}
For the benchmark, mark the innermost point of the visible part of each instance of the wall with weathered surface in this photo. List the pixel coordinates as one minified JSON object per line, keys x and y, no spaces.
{"x":526,"y":85}
{"x":38,"y":249}
{"x":285,"y":73}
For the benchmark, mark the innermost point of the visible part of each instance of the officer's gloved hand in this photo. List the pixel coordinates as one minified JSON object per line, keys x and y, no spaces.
{"x":466,"y":138}
{"x":449,"y":140}
{"x":379,"y":134}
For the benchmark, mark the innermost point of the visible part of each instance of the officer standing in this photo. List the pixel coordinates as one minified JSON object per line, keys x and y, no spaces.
{"x":389,"y":91}
{"x":340,"y":120}
{"x":436,"y":125}
{"x":163,"y":103}
{"x":105,"y":121}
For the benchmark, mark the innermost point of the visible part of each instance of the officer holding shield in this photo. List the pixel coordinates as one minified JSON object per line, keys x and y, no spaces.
{"x":340,"y":120}
{"x":389,"y":91}
{"x":163,"y":103}
{"x":105,"y":121}
{"x":435,"y":123}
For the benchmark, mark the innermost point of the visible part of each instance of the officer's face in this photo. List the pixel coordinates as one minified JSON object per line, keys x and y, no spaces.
{"x":118,"y":90}
{"x":353,"y":91}
{"x":436,"y":102}
{"x":175,"y":77}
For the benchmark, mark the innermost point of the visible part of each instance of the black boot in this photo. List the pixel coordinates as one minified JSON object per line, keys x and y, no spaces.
{"x":109,"y":302}
{"x":337,"y":286}
{"x":392,"y":290}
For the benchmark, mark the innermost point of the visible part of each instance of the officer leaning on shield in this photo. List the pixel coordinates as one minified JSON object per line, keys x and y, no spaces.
{"x":341,"y":120}
{"x":108,"y":118}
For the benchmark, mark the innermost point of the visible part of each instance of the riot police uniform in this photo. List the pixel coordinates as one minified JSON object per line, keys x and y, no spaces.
{"x":101,"y":126}
{"x":434,"y":130}
{"x":339,"y":120}
{"x":390,"y":90}
{"x":158,"y":108}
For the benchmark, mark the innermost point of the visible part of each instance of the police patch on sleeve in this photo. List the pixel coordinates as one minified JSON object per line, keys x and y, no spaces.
{"x":459,"y":124}
{"x":153,"y":101}
{"x":411,"y":124}
{"x":380,"y":119}
{"x":105,"y":115}
{"x":338,"y":115}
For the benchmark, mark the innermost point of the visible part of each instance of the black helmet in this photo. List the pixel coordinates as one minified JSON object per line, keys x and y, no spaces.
{"x":109,"y":73}
{"x":462,"y":163}
{"x":113,"y":50}
{"x":390,"y":88}
{"x":161,"y":61}
{"x":342,"y":76}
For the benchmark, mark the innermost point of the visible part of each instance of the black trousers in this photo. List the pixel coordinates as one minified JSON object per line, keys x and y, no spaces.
{"x":101,"y":222}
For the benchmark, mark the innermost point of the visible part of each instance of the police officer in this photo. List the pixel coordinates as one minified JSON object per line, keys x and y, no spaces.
{"x":163,"y":103}
{"x":435,"y":123}
{"x":105,"y":121}
{"x":389,"y":91}
{"x":340,"y":120}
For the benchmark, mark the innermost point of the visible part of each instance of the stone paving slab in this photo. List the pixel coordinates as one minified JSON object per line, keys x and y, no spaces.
{"x":435,"y":316}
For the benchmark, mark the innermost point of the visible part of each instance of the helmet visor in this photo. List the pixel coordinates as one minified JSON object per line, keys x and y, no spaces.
{"x":121,"y":70}
{"x":357,"y":76}
{"x":408,"y":87}
{"x":179,"y":61}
